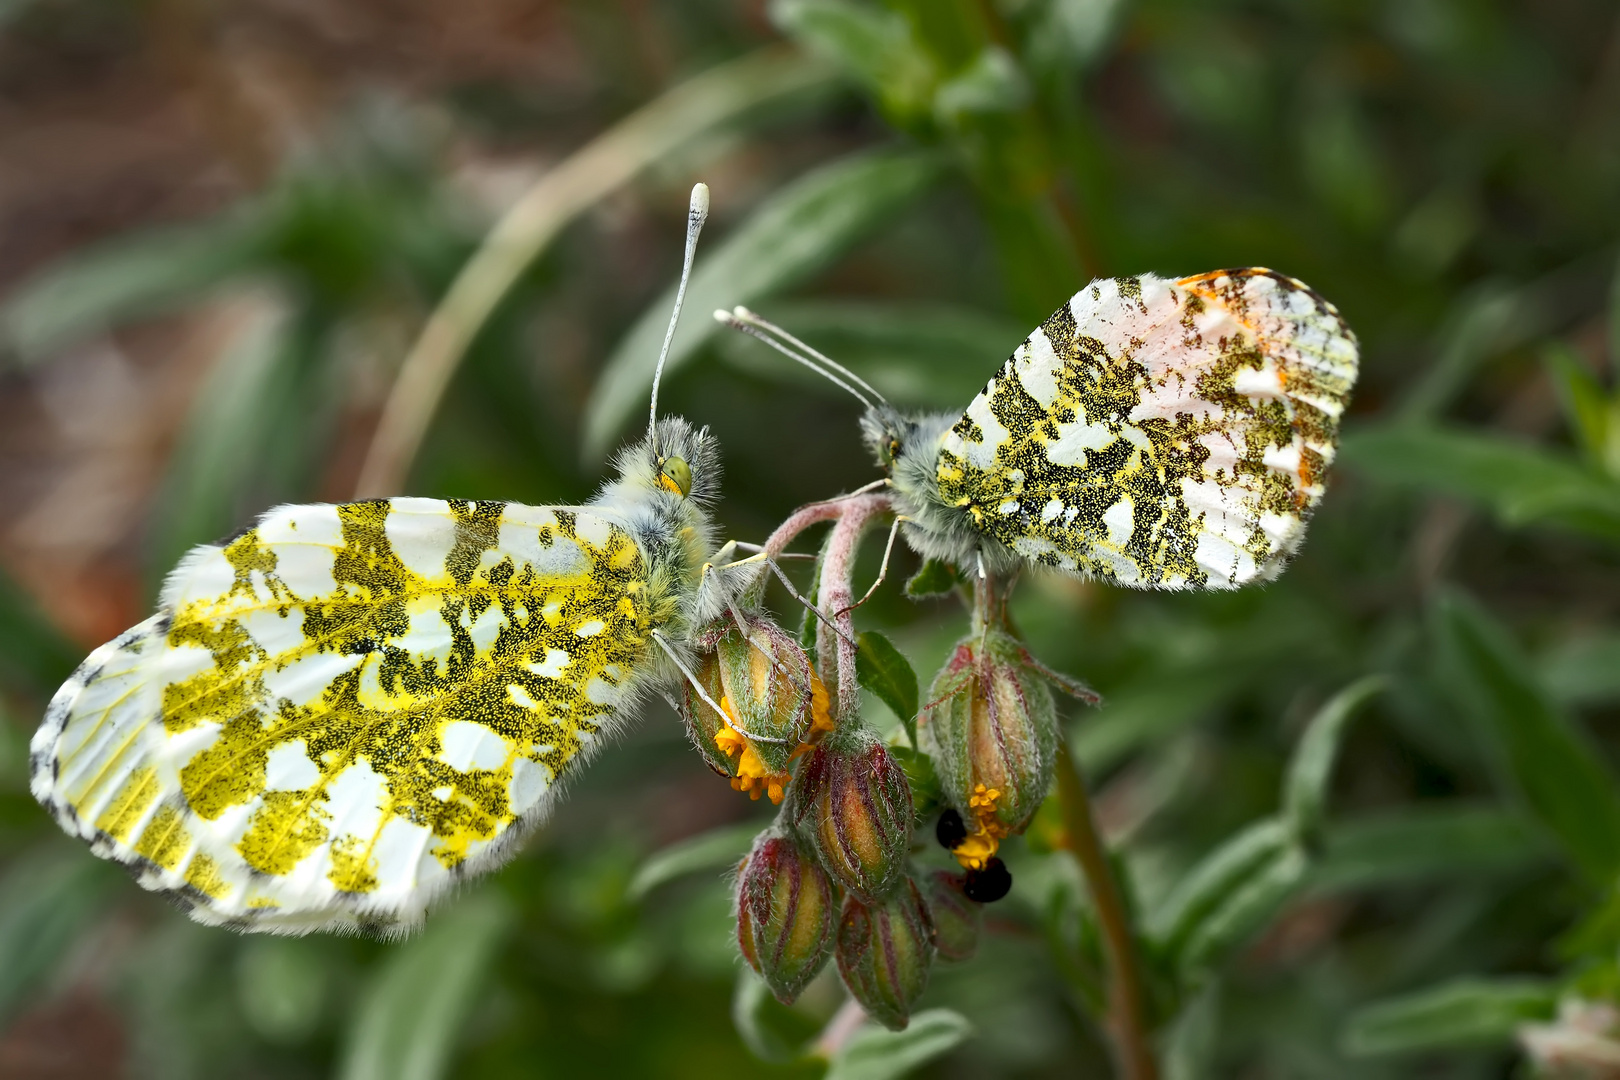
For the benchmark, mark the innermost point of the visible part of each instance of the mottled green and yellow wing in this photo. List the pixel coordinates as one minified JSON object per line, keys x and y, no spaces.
{"x":1159,"y":434}
{"x":346,"y":708}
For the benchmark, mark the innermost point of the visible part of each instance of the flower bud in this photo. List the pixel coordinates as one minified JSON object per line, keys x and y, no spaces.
{"x":992,"y":731}
{"x":771,"y":700}
{"x":957,"y":919}
{"x":786,"y":913}
{"x":773,"y":694}
{"x":884,"y":952}
{"x":852,"y":801}
{"x":704,"y":726}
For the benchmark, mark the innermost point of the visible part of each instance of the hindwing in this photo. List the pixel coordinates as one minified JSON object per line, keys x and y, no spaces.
{"x":345,"y":708}
{"x":1160,"y":434}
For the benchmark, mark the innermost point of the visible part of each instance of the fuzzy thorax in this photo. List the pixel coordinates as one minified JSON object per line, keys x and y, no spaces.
{"x":907,"y":446}
{"x":673,"y":530}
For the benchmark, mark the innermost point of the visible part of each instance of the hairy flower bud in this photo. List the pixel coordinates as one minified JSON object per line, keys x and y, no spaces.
{"x":786,"y":914}
{"x":853,"y":802}
{"x":884,"y":952}
{"x":772,"y":692}
{"x":704,"y":725}
{"x":957,"y":919}
{"x":771,"y":703}
{"x":992,"y":731}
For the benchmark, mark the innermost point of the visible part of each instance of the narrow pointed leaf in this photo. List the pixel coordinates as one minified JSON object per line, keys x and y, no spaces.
{"x":878,"y":1054}
{"x":1469,"y":1012}
{"x":1305,"y":791}
{"x":1539,"y":751}
{"x":409,"y":1025}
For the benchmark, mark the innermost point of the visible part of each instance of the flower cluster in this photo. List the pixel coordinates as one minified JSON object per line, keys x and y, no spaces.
{"x":832,"y":878}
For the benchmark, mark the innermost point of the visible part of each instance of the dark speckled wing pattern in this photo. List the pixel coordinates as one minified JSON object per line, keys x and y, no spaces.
{"x":1159,"y":434}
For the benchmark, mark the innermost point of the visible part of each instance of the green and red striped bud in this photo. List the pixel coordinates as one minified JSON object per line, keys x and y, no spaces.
{"x":704,"y":725}
{"x":991,"y":729}
{"x":957,"y":920}
{"x":884,"y":952}
{"x":787,"y":913}
{"x":852,"y":801}
{"x":772,"y":703}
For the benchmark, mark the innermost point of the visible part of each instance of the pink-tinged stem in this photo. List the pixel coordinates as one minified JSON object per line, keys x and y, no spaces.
{"x":836,"y":595}
{"x":800,"y":520}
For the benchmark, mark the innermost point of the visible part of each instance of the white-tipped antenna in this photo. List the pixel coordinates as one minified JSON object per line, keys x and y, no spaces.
{"x":748,"y":325}
{"x":749,"y":317}
{"x":697,"y":213}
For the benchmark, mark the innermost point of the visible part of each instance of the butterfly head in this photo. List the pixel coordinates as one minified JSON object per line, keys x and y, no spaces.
{"x":678,"y":460}
{"x":888,"y":433}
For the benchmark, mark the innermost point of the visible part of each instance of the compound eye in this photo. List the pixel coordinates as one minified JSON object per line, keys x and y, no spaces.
{"x":675,"y":475}
{"x":894,"y":450}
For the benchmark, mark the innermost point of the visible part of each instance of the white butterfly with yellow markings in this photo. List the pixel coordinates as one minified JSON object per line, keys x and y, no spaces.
{"x":1155,"y":433}
{"x":340,"y":712}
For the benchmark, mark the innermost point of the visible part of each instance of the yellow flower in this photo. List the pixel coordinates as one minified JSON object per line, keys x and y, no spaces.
{"x":974,"y":852}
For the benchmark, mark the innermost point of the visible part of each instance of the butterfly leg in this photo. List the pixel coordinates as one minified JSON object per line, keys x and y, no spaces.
{"x":768,"y":560}
{"x":703,"y":694}
{"x":883,"y":571}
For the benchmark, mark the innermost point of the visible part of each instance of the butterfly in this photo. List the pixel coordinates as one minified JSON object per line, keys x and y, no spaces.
{"x":1154,"y":433}
{"x":339,"y":713}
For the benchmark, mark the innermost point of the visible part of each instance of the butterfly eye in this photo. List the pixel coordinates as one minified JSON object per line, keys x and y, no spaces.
{"x":894,"y":450}
{"x":675,"y":475}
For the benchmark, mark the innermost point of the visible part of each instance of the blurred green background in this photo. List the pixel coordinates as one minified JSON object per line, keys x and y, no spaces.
{"x":226,"y":223}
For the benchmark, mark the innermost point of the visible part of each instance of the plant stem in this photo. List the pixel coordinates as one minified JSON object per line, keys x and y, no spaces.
{"x":1127,"y":1009}
{"x":835,"y":595}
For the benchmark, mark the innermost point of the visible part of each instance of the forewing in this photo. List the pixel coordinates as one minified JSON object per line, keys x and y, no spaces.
{"x":338,"y":713}
{"x":1160,"y":434}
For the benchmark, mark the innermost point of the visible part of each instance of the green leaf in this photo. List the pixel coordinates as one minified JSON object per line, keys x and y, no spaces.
{"x":921,"y":778}
{"x":1583,"y":670}
{"x":1150,"y":710}
{"x":1424,"y":843}
{"x":1247,"y":909}
{"x":33,"y":653}
{"x":710,"y":852}
{"x":1305,"y":790}
{"x":882,"y":669}
{"x":794,"y":233}
{"x":1208,"y":884}
{"x":281,"y":984}
{"x":933,"y":355}
{"x":48,"y":898}
{"x":1070,"y":35}
{"x":214,"y":478}
{"x":1192,"y":1037}
{"x":991,"y":84}
{"x":876,"y":47}
{"x":936,"y":578}
{"x":1468,"y":1012}
{"x":878,"y":1054}
{"x":763,"y":1023}
{"x":411,"y":1018}
{"x":100,"y":287}
{"x":1538,"y":749}
{"x":1521,"y":483}
{"x":1587,"y":408}
{"x":1497,"y":317}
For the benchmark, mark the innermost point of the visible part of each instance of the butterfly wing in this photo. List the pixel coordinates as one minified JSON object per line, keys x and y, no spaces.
{"x":1160,"y":434}
{"x":341,"y":711}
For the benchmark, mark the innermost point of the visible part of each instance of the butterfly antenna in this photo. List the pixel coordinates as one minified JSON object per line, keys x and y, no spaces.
{"x":697,"y":213}
{"x":749,"y":317}
{"x":732,"y":320}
